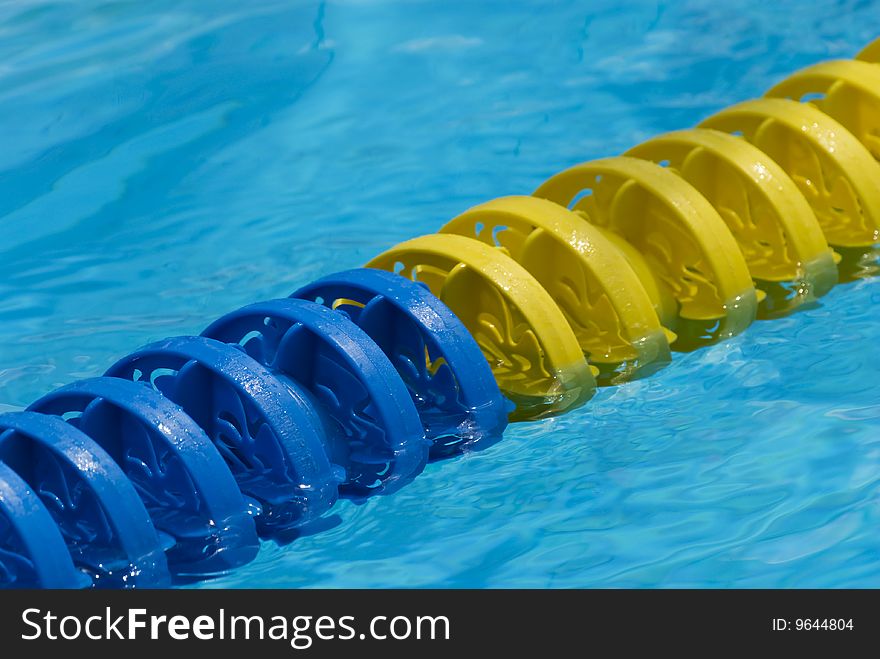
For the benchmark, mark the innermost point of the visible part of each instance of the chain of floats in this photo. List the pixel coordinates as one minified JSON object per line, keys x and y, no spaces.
{"x":174,"y":463}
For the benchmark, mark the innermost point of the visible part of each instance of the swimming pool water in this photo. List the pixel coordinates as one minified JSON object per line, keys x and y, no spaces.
{"x":163,"y":163}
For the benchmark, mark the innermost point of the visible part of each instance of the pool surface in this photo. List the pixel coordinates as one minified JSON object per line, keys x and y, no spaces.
{"x":164,"y":163}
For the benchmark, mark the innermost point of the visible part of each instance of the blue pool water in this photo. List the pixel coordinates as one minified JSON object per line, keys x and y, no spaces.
{"x":163,"y":163}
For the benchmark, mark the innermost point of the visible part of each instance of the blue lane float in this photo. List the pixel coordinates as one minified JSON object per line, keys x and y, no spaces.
{"x":375,"y":432}
{"x":33,"y":553}
{"x":449,"y":380}
{"x":268,"y":433}
{"x":174,"y":462}
{"x":184,"y":483}
{"x":105,"y":526}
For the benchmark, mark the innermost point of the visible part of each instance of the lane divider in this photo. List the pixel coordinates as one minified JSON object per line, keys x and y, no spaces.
{"x":187,"y":452}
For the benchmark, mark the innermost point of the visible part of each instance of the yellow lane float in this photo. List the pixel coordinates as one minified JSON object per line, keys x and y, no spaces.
{"x":871,"y":53}
{"x":589,"y":278}
{"x":845,"y":90}
{"x":834,"y":171}
{"x":674,"y":239}
{"x":774,"y":226}
{"x":533,"y":352}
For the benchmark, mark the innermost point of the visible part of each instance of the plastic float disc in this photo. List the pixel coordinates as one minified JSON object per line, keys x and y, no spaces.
{"x":590,"y":280}
{"x":184,"y":482}
{"x":533,"y":352}
{"x":32,"y":550}
{"x":451,"y":384}
{"x":340,"y":365}
{"x":270,"y":436}
{"x":846,"y":90}
{"x":833,"y":170}
{"x":670,"y":233}
{"x":774,"y":226}
{"x":871,"y":53}
{"x":101,"y":517}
